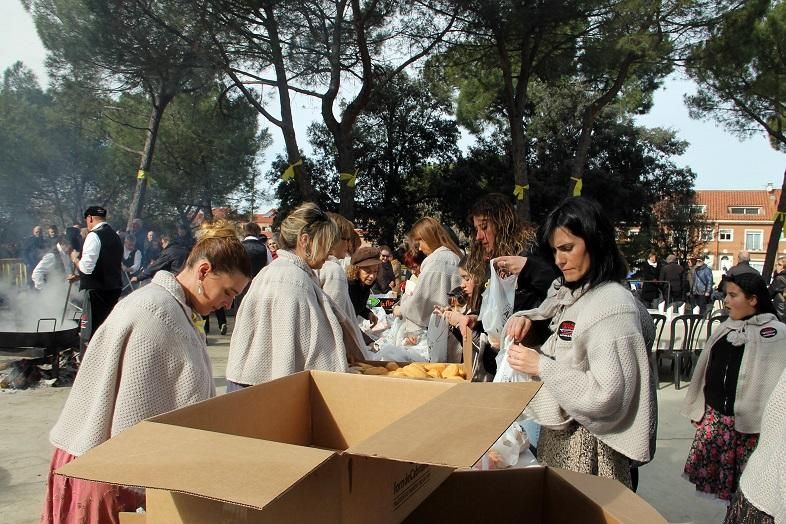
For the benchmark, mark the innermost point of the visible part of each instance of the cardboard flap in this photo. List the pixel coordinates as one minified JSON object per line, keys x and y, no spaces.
{"x":615,"y":499}
{"x":241,"y":470}
{"x":453,"y":429}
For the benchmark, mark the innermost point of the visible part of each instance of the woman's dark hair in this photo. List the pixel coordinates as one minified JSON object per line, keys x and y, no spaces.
{"x":753,"y":285}
{"x":585,"y":219}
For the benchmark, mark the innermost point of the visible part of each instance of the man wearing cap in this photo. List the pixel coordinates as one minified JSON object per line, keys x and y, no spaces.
{"x":673,"y":274}
{"x":99,"y":271}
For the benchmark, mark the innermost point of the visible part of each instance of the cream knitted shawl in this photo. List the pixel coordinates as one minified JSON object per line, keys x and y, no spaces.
{"x":285,"y":324}
{"x":596,"y":370}
{"x":438,"y":276}
{"x":147,"y":358}
{"x":763,"y":361}
{"x":764,"y":480}
{"x":333,"y":280}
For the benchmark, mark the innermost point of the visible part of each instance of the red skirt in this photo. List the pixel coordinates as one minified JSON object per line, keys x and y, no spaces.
{"x":72,"y":500}
{"x":718,"y":454}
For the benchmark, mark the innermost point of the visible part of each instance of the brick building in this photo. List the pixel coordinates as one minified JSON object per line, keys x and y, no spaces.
{"x":738,"y":220}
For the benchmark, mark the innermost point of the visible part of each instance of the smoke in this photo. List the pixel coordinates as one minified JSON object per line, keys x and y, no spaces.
{"x":22,"y":308}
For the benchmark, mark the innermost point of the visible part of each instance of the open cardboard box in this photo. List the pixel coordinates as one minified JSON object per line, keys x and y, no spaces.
{"x":311,"y":447}
{"x":534,"y":494}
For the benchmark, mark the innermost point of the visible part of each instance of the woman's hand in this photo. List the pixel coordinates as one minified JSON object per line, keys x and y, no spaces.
{"x":509,"y":265}
{"x":396,"y":311}
{"x":518,"y":327}
{"x":524,"y":359}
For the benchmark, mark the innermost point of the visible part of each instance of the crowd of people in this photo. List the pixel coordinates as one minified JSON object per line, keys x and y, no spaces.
{"x":572,"y":324}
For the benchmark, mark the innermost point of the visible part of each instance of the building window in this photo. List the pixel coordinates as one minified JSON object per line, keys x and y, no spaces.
{"x":707,"y":235}
{"x":726,"y":235}
{"x":739,"y":210}
{"x":753,"y":240}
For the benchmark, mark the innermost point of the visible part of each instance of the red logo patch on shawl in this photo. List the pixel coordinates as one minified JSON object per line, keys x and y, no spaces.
{"x":565,"y":330}
{"x":768,"y":332}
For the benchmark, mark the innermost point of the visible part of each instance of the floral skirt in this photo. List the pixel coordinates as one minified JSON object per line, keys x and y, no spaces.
{"x":718,"y":454}
{"x":82,"y":501}
{"x":576,"y":449}
{"x":741,"y":511}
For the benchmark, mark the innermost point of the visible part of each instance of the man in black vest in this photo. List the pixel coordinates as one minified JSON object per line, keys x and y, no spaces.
{"x":257,"y":252}
{"x":99,"y":271}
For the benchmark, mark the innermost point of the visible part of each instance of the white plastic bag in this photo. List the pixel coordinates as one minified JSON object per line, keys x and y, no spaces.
{"x":437,"y":338}
{"x":507,"y":450}
{"x":505,"y":373}
{"x":497,"y":304}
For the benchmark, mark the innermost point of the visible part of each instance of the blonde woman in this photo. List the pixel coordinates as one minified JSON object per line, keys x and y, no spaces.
{"x":147,"y":358}
{"x":286,"y":323}
{"x":438,"y":275}
{"x":333,"y":278}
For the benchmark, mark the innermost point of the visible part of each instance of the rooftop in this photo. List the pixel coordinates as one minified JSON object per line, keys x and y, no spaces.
{"x":720,"y":201}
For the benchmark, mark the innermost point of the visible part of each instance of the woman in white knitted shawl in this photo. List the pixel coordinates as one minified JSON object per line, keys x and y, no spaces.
{"x":761,"y":497}
{"x":147,"y":358}
{"x":438,"y":275}
{"x":286,"y":323}
{"x":596,"y":406}
{"x":333,"y":277}
{"x":734,"y":376}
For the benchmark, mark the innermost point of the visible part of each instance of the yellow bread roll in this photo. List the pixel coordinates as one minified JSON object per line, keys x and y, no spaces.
{"x":414,"y":371}
{"x":392,"y":366}
{"x":451,"y":370}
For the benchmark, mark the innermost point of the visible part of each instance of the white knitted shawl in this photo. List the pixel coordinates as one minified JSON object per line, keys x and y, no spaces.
{"x":333,"y":280}
{"x":147,"y":358}
{"x":285,"y":324}
{"x":764,"y":480}
{"x":438,"y":276}
{"x":596,"y":370}
{"x":763,"y":361}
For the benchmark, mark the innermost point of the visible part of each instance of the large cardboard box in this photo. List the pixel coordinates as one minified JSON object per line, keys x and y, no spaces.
{"x":311,"y":447}
{"x":534,"y":495}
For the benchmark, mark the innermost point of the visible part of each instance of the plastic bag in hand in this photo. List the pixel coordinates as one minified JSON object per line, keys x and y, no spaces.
{"x":497,"y":304}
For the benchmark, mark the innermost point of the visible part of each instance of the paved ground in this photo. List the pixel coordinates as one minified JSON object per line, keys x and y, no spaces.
{"x":27,"y":416}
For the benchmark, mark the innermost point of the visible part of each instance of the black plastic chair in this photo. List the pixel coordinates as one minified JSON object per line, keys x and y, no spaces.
{"x":691,"y":325}
{"x":716,"y":318}
{"x":660,"y":323}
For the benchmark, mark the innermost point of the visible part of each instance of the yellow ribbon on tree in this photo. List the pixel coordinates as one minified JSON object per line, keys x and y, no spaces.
{"x":779,"y":215}
{"x":289,"y":172}
{"x":577,"y":187}
{"x":518,"y":191}
{"x":349,"y":178}
{"x":140,"y":175}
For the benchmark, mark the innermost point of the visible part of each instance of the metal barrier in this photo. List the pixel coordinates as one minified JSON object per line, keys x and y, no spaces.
{"x":13,"y":270}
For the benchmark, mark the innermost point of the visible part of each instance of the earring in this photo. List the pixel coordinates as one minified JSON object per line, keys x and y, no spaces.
{"x":308,"y":253}
{"x":199,"y":288}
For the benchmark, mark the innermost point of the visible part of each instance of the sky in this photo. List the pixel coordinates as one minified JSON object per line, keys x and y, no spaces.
{"x":719,"y":159}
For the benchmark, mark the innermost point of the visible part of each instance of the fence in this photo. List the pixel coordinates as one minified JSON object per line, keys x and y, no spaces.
{"x":14,"y":271}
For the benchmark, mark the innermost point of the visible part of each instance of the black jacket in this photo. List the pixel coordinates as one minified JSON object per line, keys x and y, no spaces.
{"x":674,"y":274}
{"x":358,"y":294}
{"x":172,"y":258}
{"x":257,"y":253}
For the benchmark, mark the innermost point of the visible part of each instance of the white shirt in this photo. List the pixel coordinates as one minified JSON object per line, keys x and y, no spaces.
{"x":90,"y":251}
{"x":45,"y":266}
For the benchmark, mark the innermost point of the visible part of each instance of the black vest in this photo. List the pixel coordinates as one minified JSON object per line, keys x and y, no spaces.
{"x":107,"y":274}
{"x":129,"y":260}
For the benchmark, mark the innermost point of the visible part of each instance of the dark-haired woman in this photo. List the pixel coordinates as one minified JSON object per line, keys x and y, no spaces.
{"x":597,"y":404}
{"x":734,"y":377}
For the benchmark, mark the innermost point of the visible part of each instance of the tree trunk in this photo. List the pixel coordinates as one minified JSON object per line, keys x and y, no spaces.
{"x":302,"y":178}
{"x":518,"y":154}
{"x":135,"y":211}
{"x":775,"y":235}
{"x":345,"y":163}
